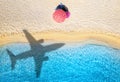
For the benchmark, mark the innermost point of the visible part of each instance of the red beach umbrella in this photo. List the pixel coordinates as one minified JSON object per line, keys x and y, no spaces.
{"x":59,"y":16}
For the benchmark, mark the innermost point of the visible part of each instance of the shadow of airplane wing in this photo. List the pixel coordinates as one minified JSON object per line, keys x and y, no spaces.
{"x":38,"y":64}
{"x":33,"y":43}
{"x":29,"y":37}
{"x":52,"y":47}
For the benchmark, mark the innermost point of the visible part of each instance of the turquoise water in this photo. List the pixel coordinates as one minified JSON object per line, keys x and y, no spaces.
{"x":71,"y":63}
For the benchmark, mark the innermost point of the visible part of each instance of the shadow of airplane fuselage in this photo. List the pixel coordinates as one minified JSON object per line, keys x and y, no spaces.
{"x":37,"y":52}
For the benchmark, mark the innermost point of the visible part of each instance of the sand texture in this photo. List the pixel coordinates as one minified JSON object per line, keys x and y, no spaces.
{"x":90,"y":19}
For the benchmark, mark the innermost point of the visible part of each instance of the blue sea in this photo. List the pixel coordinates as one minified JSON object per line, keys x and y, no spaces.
{"x":70,"y":63}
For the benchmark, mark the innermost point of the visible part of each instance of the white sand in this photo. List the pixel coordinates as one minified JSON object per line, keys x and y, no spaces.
{"x":36,"y":15}
{"x":99,"y":16}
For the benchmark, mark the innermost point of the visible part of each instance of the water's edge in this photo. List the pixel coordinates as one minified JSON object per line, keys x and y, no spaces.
{"x":76,"y":62}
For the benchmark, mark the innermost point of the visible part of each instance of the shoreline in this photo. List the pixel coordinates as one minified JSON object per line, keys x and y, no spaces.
{"x":110,"y":39}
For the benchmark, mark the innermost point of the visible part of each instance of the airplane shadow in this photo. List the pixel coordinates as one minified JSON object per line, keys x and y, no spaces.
{"x":37,"y":52}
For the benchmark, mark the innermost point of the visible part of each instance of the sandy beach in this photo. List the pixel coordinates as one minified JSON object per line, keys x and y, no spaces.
{"x":107,"y":38}
{"x":83,"y":48}
{"x":89,"y":20}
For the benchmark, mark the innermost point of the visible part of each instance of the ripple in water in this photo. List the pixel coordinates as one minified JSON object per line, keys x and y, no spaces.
{"x":88,"y":63}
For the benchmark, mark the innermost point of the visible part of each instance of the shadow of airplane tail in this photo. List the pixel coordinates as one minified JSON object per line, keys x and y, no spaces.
{"x":12,"y":58}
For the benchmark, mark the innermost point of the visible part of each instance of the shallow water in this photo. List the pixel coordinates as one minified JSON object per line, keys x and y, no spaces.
{"x":71,"y":63}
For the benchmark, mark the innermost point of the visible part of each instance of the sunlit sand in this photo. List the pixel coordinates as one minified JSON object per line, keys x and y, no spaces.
{"x":91,"y":39}
{"x":97,"y":20}
{"x":108,"y":38}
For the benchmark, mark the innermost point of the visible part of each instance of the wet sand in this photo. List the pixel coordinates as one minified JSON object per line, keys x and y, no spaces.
{"x":107,"y":38}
